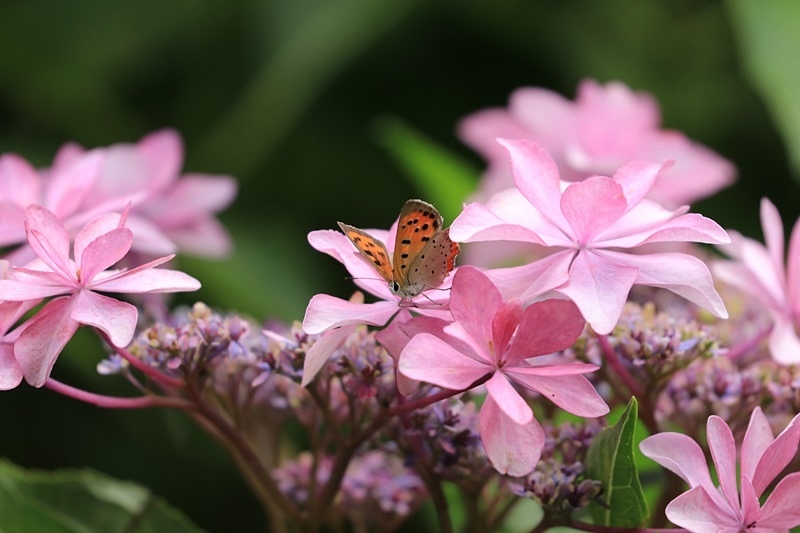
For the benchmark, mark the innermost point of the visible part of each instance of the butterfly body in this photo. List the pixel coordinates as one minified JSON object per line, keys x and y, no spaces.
{"x":423,"y":252}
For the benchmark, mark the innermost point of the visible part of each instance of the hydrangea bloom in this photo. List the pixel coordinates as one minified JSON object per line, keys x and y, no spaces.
{"x":759,"y":271}
{"x":496,"y":339}
{"x":170,"y":211}
{"x":589,"y":222}
{"x":604,"y":128}
{"x":100,"y":244}
{"x":728,"y":508}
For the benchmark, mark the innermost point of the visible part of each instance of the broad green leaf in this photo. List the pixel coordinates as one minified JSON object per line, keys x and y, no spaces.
{"x":81,"y":501}
{"x":769,"y":41}
{"x":611,"y":460}
{"x":443,"y":178}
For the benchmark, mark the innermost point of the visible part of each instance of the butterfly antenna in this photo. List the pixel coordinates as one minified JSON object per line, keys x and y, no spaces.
{"x":351,"y":278}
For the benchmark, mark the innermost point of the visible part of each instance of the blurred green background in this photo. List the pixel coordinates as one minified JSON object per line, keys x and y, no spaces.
{"x":298,"y":99}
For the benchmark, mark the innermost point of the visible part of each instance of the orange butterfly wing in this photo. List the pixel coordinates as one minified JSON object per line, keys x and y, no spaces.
{"x":419,"y":222}
{"x":371,"y":249}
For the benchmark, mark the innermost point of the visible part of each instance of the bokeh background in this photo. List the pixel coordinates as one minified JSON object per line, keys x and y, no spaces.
{"x":311,"y":105}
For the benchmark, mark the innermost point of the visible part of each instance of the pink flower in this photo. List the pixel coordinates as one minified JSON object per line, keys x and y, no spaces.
{"x":759,"y":271}
{"x":604,"y":128}
{"x":589,"y":221}
{"x":100,"y":244}
{"x":326,"y":312}
{"x":494,"y":339}
{"x":10,"y":313}
{"x":169,"y":211}
{"x":707,"y":508}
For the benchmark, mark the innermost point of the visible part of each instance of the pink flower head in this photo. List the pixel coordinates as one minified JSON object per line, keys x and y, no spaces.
{"x":604,"y":128}
{"x":731,"y":508}
{"x":100,"y":244}
{"x":494,"y":339}
{"x":588,"y":222}
{"x":759,"y":271}
{"x":326,"y":312}
{"x":169,"y":211}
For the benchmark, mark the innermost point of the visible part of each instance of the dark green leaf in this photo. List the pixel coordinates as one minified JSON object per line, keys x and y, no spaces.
{"x":443,"y":178}
{"x":81,"y":501}
{"x":611,"y":461}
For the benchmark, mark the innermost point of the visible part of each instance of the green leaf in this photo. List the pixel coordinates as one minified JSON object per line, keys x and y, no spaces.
{"x":443,"y":178}
{"x":81,"y":501}
{"x":610,"y":460}
{"x":770,"y":45}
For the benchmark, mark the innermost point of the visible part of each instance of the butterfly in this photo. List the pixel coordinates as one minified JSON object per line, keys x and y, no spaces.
{"x":423,"y":252}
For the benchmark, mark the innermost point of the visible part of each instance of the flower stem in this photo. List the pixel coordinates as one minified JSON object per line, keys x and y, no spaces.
{"x":621,"y":372}
{"x":115,"y":402}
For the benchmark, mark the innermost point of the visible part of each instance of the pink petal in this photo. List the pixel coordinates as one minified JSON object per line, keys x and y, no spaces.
{"x":72,"y":181}
{"x":546,"y":327}
{"x":428,"y":358}
{"x":689,"y":227}
{"x":680,"y":454}
{"x":513,"y":449}
{"x":572,"y":393}
{"x":505,"y":323}
{"x":682,"y":274}
{"x":95,"y":228}
{"x":206,"y":238}
{"x":49,"y":239}
{"x":327,"y":312}
{"x":114,"y":318}
{"x":784,"y":344}
{"x":772,"y":226}
{"x":163,"y":151}
{"x":636,"y":179}
{"x":10,"y":371}
{"x":793,"y":267}
{"x":697,"y":173}
{"x":509,"y":400}
{"x":149,"y":239}
{"x":536,"y":176}
{"x":750,"y":506}
{"x":548,"y":117}
{"x":474,"y":301}
{"x":103,"y":252}
{"x":696,"y":510}
{"x":757,"y":439}
{"x":19,"y":181}
{"x":19,"y":291}
{"x":600,"y":287}
{"x":481,"y":129}
{"x":777,"y":455}
{"x":478,"y":223}
{"x":592,"y":205}
{"x":723,"y":451}
{"x":612,"y":118}
{"x":526,"y":282}
{"x":319,"y":352}
{"x":42,"y":340}
{"x":146,"y":281}
{"x":394,"y":338}
{"x":195,"y":196}
{"x":781,"y":509}
{"x":337,"y":245}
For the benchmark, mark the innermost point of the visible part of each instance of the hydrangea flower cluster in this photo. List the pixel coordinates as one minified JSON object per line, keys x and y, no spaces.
{"x":337,"y":424}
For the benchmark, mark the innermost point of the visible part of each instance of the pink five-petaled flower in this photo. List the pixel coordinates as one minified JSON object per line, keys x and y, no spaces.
{"x":604,"y":128}
{"x":759,"y":271}
{"x":495,"y":340}
{"x":590,"y":221}
{"x":731,"y":509}
{"x":100,"y":244}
